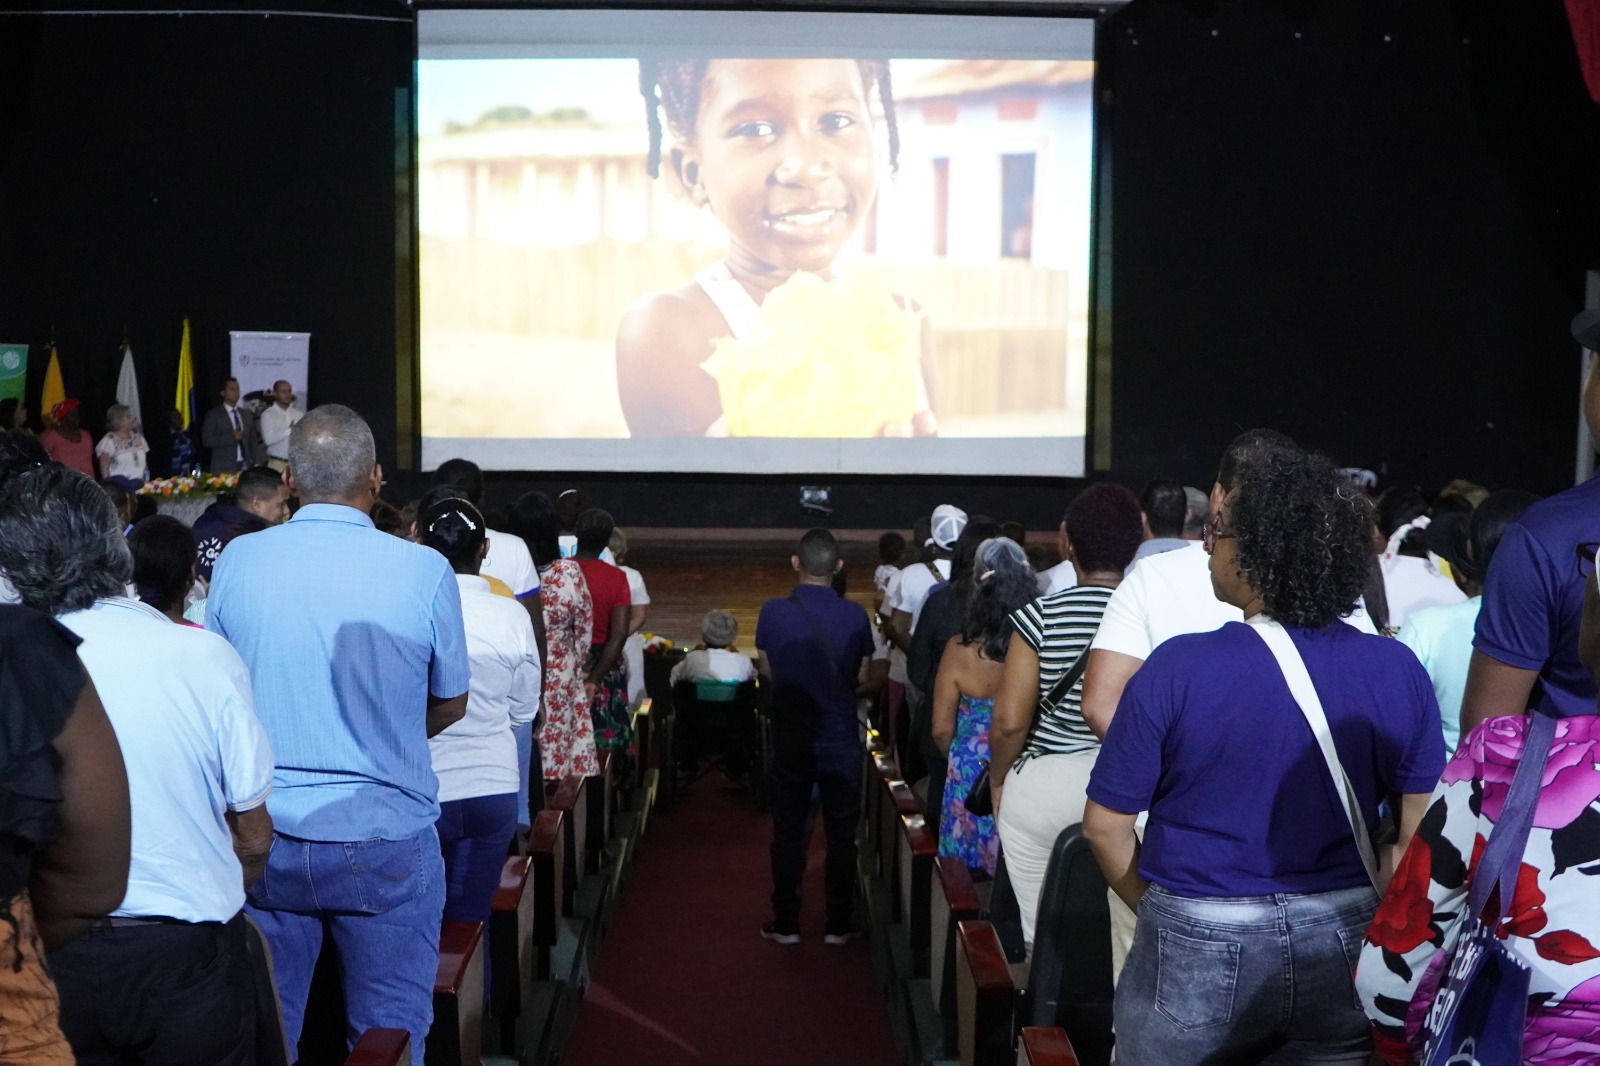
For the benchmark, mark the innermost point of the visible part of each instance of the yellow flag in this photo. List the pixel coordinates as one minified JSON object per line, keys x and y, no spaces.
{"x":183,"y":403}
{"x":54,"y":391}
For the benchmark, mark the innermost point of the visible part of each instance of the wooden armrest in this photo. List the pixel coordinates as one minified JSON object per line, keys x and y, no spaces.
{"x":905,"y":801}
{"x":381,"y":1047}
{"x":458,"y":943}
{"x":568,"y":793}
{"x":1046,"y":1047}
{"x":545,"y":838}
{"x":955,"y":882}
{"x":919,"y":838}
{"x":986,"y":959}
{"x":514,"y":877}
{"x":883,"y":765}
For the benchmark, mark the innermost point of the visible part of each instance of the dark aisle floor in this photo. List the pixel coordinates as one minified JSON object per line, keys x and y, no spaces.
{"x":685,"y":977}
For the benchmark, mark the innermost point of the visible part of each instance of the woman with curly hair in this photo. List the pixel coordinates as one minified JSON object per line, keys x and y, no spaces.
{"x":1251,"y":888}
{"x":969,"y":677}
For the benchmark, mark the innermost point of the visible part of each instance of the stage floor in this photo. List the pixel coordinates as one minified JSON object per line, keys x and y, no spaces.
{"x":691,"y":571}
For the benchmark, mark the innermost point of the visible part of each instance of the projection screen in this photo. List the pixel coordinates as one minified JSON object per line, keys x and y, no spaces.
{"x":754,"y":242}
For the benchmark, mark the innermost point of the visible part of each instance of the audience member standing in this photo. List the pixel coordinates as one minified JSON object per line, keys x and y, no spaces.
{"x":1164,"y":507}
{"x":476,"y":759}
{"x":276,"y":422}
{"x":963,"y":692}
{"x":606,"y":679}
{"x":944,"y":615}
{"x":230,"y":435}
{"x":1041,"y":749}
{"x":260,"y":499}
{"x":902,"y":607}
{"x":566,"y":732}
{"x":1198,"y":510}
{"x":813,"y":646}
{"x":1251,"y":880}
{"x":1441,"y":636}
{"x":166,"y":977}
{"x":67,"y":442}
{"x":357,"y":653}
{"x":638,"y":610}
{"x":163,"y":564}
{"x":1533,"y":598}
{"x":891,"y":547}
{"x":1411,"y":580}
{"x":1551,"y":925}
{"x":121,"y":452}
{"x":63,"y":825}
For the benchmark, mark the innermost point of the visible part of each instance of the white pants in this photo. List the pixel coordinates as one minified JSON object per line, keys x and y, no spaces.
{"x":1042,"y":797}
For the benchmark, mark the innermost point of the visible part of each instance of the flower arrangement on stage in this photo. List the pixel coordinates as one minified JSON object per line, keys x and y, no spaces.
{"x":183,"y":488}
{"x":828,"y":359}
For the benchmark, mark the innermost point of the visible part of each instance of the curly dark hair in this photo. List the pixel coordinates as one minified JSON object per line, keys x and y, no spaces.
{"x":672,"y":88}
{"x":1005,"y":584}
{"x":1304,"y":537}
{"x":1104,"y":527}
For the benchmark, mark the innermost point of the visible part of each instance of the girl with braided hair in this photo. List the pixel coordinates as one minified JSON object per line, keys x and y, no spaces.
{"x":783,"y":152}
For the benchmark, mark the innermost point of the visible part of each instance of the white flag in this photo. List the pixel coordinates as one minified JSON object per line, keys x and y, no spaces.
{"x":128,"y":386}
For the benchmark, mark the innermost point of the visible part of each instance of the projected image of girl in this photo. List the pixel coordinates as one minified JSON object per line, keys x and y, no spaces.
{"x":770,"y":341}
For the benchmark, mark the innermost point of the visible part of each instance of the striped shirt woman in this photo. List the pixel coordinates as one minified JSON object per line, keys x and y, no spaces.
{"x":1043,"y":749}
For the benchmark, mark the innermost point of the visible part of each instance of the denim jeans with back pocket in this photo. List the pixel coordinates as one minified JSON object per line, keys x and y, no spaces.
{"x":383,"y":901}
{"x":1245,"y":979}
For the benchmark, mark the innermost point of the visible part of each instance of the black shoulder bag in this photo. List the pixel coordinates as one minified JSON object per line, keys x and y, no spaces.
{"x":980,"y":801}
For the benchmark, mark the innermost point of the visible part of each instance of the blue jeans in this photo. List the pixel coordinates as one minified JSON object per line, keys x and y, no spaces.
{"x":834,"y":770}
{"x":1245,"y":979}
{"x":382,"y":900}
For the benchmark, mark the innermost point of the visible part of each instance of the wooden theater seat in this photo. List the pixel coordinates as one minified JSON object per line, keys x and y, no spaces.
{"x":918,"y":846}
{"x":985,"y":997}
{"x":953,"y":899}
{"x":547,"y":853}
{"x":381,"y":1047}
{"x":571,"y":797}
{"x":456,"y":1038}
{"x":1041,"y":1046}
{"x":513,"y":954}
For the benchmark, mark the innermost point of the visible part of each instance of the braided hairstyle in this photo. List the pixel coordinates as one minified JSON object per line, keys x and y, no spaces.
{"x":672,"y":87}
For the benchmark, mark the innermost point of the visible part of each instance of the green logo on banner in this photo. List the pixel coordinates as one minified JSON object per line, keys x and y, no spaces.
{"x":13,"y":370}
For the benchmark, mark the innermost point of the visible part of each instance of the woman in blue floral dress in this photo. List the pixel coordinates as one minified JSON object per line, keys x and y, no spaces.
{"x":969,"y":677}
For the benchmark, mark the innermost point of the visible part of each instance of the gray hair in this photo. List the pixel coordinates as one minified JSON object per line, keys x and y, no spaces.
{"x":719,"y":628}
{"x":60,"y":541}
{"x":1198,"y":510}
{"x":331,"y":453}
{"x":990,"y":552}
{"x":117,"y":414}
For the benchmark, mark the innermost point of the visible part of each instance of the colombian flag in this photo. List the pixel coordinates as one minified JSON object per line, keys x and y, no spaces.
{"x":54,"y":391}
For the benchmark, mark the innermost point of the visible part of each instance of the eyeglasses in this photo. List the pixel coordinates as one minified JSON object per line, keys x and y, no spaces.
{"x":1211,"y":532}
{"x":1586,"y":556}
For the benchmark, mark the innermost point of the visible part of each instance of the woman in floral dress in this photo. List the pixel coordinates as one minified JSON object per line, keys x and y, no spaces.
{"x":566,"y":733}
{"x":970,"y":673}
{"x":1553,"y":923}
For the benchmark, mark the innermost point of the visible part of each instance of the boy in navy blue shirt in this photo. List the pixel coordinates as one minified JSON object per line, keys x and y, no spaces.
{"x":813,"y":645}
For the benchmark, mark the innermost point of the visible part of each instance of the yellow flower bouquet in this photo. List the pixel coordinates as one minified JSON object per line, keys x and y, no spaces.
{"x":828,"y":359}
{"x":184,"y":487}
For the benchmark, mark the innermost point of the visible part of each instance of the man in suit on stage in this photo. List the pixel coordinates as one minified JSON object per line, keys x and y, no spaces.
{"x":230,"y":435}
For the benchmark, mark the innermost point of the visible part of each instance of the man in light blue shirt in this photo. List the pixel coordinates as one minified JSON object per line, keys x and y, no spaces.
{"x":357,"y":655}
{"x":1165,"y":507}
{"x":1442,"y":637}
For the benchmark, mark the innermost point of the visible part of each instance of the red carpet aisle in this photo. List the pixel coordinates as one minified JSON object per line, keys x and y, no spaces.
{"x":685,"y":977}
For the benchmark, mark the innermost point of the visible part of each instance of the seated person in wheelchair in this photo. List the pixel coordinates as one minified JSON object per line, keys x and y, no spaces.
{"x":715,"y":659}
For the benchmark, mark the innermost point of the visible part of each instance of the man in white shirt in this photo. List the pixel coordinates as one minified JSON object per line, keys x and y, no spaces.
{"x":164,"y":978}
{"x":276,"y":422}
{"x":715,"y":662}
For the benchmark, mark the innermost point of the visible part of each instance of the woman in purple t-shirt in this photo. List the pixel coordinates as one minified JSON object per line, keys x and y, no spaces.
{"x":1251,"y":893}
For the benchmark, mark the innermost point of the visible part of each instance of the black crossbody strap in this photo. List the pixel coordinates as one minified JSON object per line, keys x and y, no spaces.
{"x":1063,"y":685}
